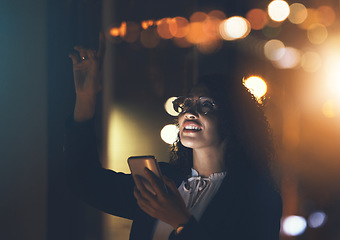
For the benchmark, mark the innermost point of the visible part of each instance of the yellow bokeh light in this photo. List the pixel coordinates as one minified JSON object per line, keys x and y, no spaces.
{"x":312,"y":18}
{"x":317,"y":33}
{"x":329,"y":108}
{"x":274,"y":49}
{"x":169,"y":107}
{"x":169,"y":133}
{"x":256,"y":85}
{"x":298,"y":13}
{"x":311,"y":61}
{"x":234,"y":28}
{"x":278,"y":10}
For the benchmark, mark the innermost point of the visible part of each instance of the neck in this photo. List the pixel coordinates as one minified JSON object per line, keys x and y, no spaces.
{"x":209,"y":160}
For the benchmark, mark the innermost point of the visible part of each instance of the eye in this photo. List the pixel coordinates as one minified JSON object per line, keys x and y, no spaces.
{"x":207,"y":105}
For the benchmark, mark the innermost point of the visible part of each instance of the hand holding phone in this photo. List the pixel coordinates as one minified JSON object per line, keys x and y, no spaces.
{"x":137,"y":166}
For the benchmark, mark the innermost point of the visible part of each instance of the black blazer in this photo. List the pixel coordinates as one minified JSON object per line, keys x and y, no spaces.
{"x":240,"y":209}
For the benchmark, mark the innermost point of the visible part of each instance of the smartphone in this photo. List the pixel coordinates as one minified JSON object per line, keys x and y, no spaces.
{"x":137,"y":165}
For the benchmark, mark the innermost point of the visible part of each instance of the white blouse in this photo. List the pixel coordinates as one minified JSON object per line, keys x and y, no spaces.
{"x":197,"y":192}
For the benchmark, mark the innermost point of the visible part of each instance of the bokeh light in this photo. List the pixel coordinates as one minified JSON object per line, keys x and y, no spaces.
{"x":329,"y":108}
{"x":294,"y":225}
{"x":179,"y":27}
{"x":169,"y":133}
{"x":168,"y":106}
{"x":234,"y":28}
{"x":163,"y":28}
{"x":257,"y":18}
{"x":332,"y":70}
{"x":311,"y":61}
{"x":298,"y":13}
{"x":274,"y":49}
{"x":326,"y":15}
{"x":317,"y":33}
{"x":217,"y":14}
{"x":290,"y":59}
{"x":132,"y":32}
{"x":256,"y":85}
{"x":317,"y":219}
{"x":278,"y":10}
{"x":312,"y":18}
{"x":149,"y":38}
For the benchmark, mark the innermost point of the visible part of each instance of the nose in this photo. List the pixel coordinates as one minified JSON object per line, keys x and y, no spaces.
{"x":191,"y":114}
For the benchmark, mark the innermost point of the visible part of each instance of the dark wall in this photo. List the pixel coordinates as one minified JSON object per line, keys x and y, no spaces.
{"x":23,"y":121}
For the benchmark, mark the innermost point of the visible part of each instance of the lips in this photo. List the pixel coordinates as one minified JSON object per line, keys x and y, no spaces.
{"x":191,"y":126}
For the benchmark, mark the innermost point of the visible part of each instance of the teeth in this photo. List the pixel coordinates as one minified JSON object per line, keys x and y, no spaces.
{"x":192,"y":128}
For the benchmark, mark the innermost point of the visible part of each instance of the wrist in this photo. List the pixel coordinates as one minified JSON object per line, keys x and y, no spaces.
{"x":84,"y":108}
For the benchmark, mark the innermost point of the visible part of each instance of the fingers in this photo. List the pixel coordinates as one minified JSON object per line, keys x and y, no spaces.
{"x":142,"y":189}
{"x":155,"y":182}
{"x":74,"y":57}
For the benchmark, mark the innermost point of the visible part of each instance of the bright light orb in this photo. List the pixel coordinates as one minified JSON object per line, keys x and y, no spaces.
{"x":169,"y":107}
{"x":256,"y":85}
{"x":294,"y":225}
{"x":274,"y":49}
{"x":234,"y":28}
{"x":278,"y":10}
{"x":317,"y":219}
{"x":169,"y":133}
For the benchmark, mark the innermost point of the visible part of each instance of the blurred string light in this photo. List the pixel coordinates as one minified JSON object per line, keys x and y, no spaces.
{"x":294,"y":225}
{"x":317,"y":33}
{"x":234,"y":28}
{"x":298,"y":13}
{"x":169,"y":133}
{"x":278,"y":10}
{"x":207,"y":31}
{"x":317,"y":219}
{"x":256,"y":85}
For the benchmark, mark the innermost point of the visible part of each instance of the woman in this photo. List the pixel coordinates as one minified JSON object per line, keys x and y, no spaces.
{"x":218,"y":181}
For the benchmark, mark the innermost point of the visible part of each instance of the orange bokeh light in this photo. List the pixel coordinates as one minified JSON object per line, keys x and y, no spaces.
{"x":198,"y":17}
{"x":217,"y":14}
{"x":326,"y":15}
{"x":163,"y":28}
{"x":257,"y":18}
{"x":179,"y":27}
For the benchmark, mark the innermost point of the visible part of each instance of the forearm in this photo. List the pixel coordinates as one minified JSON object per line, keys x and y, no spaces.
{"x":84,"y":108}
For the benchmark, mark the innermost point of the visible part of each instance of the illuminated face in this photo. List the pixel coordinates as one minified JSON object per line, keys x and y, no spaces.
{"x":196,"y":129}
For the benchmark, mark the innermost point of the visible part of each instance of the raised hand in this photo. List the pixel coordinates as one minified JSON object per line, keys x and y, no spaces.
{"x":87,"y":73}
{"x":167,"y":206}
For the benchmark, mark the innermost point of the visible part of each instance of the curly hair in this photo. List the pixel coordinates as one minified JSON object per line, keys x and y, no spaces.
{"x":243,"y":125}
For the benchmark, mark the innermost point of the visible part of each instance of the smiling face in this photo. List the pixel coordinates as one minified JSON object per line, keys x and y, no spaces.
{"x":199,"y":130}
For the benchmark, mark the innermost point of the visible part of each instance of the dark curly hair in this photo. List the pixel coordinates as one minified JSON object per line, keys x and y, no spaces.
{"x":243,"y":125}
